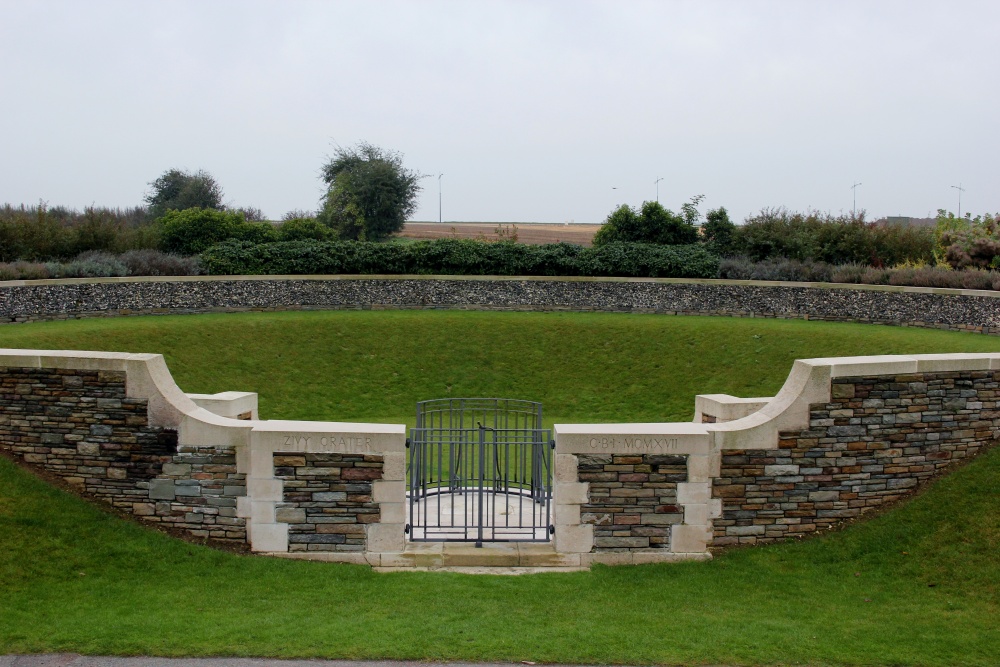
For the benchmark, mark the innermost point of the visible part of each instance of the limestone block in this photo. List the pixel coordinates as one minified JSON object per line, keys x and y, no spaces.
{"x":268,"y":536}
{"x":574,"y":539}
{"x":565,"y":493}
{"x":244,"y":507}
{"x":385,"y":537}
{"x":393,"y":512}
{"x":699,"y":515}
{"x":388,"y":492}
{"x":565,"y":468}
{"x":689,"y":539}
{"x":567,"y":515}
{"x":703,"y":468}
{"x":264,"y":489}
{"x":697,"y":493}
{"x":393,"y":467}
{"x":263,"y":511}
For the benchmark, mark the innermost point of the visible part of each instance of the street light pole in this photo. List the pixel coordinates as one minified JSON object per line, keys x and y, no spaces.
{"x":960,"y":191}
{"x":439,"y":198}
{"x":854,"y":206}
{"x":657,"y":183}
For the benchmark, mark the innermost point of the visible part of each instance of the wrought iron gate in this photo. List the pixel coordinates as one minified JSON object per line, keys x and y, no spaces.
{"x":480,"y":470}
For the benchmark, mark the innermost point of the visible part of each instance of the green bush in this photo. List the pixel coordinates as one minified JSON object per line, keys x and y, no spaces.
{"x":303,"y":229}
{"x":845,"y":239}
{"x":459,"y":257}
{"x":41,"y":233}
{"x":650,"y":224}
{"x":192,"y":230}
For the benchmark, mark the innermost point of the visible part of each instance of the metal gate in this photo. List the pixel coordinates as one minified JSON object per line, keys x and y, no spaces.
{"x":479,"y":470}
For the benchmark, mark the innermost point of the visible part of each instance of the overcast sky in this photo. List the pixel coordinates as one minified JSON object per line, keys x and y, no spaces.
{"x":533,"y":111}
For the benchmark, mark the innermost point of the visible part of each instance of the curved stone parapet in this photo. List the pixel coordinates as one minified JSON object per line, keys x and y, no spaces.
{"x":843,"y":436}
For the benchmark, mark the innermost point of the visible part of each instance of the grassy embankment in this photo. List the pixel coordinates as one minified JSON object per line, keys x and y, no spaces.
{"x":919,"y":585}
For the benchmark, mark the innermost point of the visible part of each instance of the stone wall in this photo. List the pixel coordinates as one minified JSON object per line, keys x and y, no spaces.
{"x":82,"y":426}
{"x":631,"y":500}
{"x":327,"y":499}
{"x":965,"y":310}
{"x":876,"y":441}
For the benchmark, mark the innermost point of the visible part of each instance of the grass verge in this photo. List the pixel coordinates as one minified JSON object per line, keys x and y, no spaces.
{"x":585,"y":367}
{"x":916,"y":586}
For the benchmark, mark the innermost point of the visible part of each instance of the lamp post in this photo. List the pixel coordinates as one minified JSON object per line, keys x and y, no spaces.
{"x":439,"y":198}
{"x":657,"y":183}
{"x":854,"y":206}
{"x":960,"y":191}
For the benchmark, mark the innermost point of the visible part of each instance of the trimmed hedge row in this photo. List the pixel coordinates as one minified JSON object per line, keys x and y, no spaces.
{"x":459,"y":257}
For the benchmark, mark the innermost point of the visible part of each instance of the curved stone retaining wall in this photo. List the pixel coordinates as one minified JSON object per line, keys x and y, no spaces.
{"x":844,"y":435}
{"x":966,"y":310}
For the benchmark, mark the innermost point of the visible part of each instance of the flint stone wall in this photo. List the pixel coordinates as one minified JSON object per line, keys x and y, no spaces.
{"x":631,"y":500}
{"x":81,"y":426}
{"x":965,"y":310}
{"x":876,"y":441}
{"x":327,"y":499}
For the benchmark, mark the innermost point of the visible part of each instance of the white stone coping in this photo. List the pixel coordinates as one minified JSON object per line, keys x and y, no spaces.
{"x":725,"y":407}
{"x":228,"y":403}
{"x":575,"y":279}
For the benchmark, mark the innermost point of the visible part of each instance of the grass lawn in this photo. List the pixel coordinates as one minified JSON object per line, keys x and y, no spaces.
{"x":919,"y":585}
{"x":374,"y":366}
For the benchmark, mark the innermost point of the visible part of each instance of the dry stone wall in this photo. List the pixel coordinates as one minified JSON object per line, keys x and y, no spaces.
{"x":964,"y":310}
{"x":81,"y":426}
{"x":631,"y":500}
{"x":327,"y":499}
{"x":875,"y":441}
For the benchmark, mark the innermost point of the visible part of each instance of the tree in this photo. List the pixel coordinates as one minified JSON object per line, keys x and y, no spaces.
{"x":179,"y":190}
{"x":369,"y":192}
{"x":651,"y":224}
{"x":718,"y":232}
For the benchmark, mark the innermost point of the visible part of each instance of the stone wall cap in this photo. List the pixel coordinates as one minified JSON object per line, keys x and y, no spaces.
{"x":661,"y":428}
{"x":285,"y":425}
{"x":566,"y":279}
{"x":222,"y":395}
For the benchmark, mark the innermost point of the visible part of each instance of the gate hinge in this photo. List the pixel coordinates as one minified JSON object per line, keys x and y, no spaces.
{"x":407,"y":443}
{"x":552,"y":444}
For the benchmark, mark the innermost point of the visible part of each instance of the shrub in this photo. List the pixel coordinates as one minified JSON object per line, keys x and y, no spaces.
{"x":742,"y":268}
{"x":300,"y":229}
{"x":651,"y":224}
{"x":836,"y":240}
{"x":459,"y":257}
{"x":44,"y":234}
{"x":93,"y":264}
{"x":149,"y":262}
{"x":191,"y":231}
{"x":968,"y":242}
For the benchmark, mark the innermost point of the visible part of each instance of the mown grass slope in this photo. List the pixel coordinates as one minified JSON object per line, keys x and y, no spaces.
{"x":373,"y":366}
{"x":919,"y":585}
{"x":916,"y":586}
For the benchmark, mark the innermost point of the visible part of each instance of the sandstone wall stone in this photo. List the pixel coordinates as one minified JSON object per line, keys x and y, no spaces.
{"x":327,"y":499}
{"x":877,"y":440}
{"x":81,"y":426}
{"x":632,"y":499}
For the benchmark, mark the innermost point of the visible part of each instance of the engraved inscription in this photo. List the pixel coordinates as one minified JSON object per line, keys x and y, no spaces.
{"x":648,"y":444}
{"x":329,"y":443}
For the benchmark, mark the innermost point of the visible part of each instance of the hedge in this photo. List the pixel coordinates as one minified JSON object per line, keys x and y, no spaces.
{"x":458,"y":257}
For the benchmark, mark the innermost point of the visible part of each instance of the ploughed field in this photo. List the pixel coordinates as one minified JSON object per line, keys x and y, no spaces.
{"x":533,"y":233}
{"x":917,"y":585}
